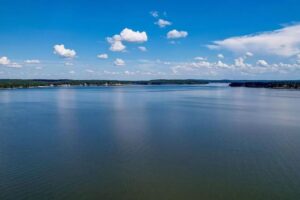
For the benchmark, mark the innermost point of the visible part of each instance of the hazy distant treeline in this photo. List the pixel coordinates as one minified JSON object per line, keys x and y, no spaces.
{"x":17,"y":83}
{"x":268,"y":84}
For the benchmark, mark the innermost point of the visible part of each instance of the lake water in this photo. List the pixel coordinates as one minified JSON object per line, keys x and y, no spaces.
{"x":150,"y":143}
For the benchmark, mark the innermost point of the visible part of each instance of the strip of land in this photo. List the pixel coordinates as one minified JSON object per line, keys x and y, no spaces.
{"x":19,"y":83}
{"x":26,"y":83}
{"x":267,"y":84}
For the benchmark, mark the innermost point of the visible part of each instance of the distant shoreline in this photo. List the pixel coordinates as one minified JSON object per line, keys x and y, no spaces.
{"x":268,"y":84}
{"x":40,"y":83}
{"x":34,"y":83}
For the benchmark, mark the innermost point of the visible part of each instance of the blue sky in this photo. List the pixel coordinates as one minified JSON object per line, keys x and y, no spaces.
{"x":150,"y":39}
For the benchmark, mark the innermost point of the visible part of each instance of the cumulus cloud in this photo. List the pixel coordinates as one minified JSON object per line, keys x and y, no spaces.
{"x":129,"y":73}
{"x":199,"y":58}
{"x":141,"y":48}
{"x":221,"y":56}
{"x":202,"y":66}
{"x":154,"y":14}
{"x":262,"y":66}
{"x":220,"y":64}
{"x":129,"y":35}
{"x":102,"y":56}
{"x":116,"y":43}
{"x":4,"y":61}
{"x":119,"y":62}
{"x":262,"y":63}
{"x":283,"y":42}
{"x":240,"y":62}
{"x":249,"y":54}
{"x":175,"y":34}
{"x":72,"y":72}
{"x":60,"y":50}
{"x":163,"y":23}
{"x":126,"y":35}
{"x":68,"y":64}
{"x":238,"y":67}
{"x":32,"y":61}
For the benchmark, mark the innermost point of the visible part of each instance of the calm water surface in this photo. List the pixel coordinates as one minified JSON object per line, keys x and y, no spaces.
{"x":150,"y":143}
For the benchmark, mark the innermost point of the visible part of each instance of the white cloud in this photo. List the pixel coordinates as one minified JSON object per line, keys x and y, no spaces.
{"x":240,"y":62}
{"x":154,"y":14}
{"x":129,"y":35}
{"x":239,"y":66}
{"x":111,"y":73}
{"x":249,"y":54}
{"x":14,"y":65}
{"x":141,"y":48}
{"x":262,"y":63}
{"x":68,"y":64}
{"x":174,"y":34}
{"x":203,"y":66}
{"x":60,"y":50}
{"x":129,"y":73}
{"x":4,"y":61}
{"x":102,"y":56}
{"x":126,"y":35}
{"x":163,"y":23}
{"x":199,"y":58}
{"x":119,"y":62}
{"x":221,"y":56}
{"x":220,"y":64}
{"x":263,"y":67}
{"x":116,"y":43}
{"x":282,"y":42}
{"x":32,"y":61}
{"x":72,"y":72}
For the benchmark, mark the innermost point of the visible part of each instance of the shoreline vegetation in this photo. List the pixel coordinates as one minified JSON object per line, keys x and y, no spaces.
{"x":267,"y":84}
{"x":22,"y":83}
{"x":34,"y":83}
